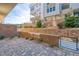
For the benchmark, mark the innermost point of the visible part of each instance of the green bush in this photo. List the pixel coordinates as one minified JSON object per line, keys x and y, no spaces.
{"x":39,"y":24}
{"x":1,"y":37}
{"x":77,"y":22}
{"x":69,"y":21}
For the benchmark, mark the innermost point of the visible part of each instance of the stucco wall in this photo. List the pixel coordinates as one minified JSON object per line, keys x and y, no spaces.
{"x":8,"y":30}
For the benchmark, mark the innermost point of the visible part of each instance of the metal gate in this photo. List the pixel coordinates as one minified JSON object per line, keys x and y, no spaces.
{"x":69,"y":43}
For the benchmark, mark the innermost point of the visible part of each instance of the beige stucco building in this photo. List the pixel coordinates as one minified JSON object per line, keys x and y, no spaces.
{"x":52,"y":14}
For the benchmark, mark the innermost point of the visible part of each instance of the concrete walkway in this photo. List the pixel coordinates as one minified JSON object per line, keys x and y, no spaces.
{"x":22,"y":47}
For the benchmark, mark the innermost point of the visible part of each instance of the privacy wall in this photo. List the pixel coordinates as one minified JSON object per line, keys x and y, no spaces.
{"x":8,"y":30}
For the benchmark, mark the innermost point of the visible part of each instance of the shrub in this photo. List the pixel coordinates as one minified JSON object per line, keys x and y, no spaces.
{"x":39,"y":24}
{"x":77,"y":22}
{"x":1,"y":37}
{"x":69,"y":21}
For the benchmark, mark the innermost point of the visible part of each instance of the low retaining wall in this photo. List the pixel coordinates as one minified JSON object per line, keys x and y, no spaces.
{"x":50,"y":36}
{"x":61,"y":32}
{"x":8,"y":30}
{"x":53,"y":40}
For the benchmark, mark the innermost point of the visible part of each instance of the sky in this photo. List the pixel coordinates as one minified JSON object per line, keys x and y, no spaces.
{"x":19,"y":14}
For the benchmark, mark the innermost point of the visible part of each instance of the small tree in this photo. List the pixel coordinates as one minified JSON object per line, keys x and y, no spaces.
{"x":39,"y":24}
{"x":77,"y":22}
{"x":69,"y":21}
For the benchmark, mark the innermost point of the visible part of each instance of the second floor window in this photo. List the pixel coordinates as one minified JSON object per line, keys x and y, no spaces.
{"x":51,"y":9}
{"x":54,"y":8}
{"x":64,"y":6}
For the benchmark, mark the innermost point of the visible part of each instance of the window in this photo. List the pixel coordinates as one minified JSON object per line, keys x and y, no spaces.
{"x":48,"y":10}
{"x":76,"y":13}
{"x":54,"y":8}
{"x":51,"y":9}
{"x":64,"y":6}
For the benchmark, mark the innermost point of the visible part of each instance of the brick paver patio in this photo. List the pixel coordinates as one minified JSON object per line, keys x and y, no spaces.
{"x":22,"y":47}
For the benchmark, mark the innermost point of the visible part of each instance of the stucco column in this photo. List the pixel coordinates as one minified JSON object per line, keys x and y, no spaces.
{"x":72,"y":12}
{"x":54,"y":22}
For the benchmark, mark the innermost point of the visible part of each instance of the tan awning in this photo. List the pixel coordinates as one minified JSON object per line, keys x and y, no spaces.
{"x":5,"y":8}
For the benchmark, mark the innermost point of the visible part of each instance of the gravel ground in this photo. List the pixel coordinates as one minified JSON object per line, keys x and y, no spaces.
{"x":22,"y":47}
